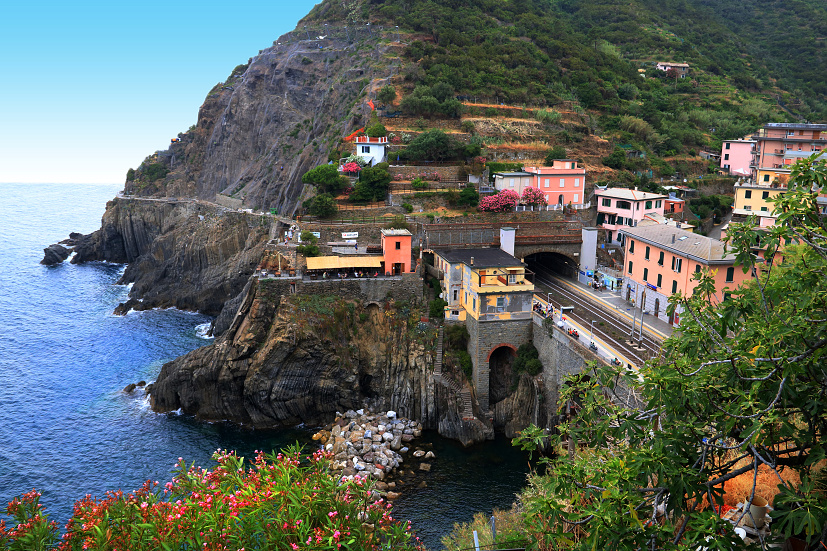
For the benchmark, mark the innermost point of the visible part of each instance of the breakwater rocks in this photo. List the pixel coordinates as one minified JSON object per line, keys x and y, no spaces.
{"x":372,"y":445}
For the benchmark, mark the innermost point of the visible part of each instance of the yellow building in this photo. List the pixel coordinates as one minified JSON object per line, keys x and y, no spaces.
{"x":754,"y":199}
{"x":484,"y":284}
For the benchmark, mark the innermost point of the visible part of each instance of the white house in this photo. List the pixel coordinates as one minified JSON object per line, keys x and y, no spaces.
{"x":371,"y":149}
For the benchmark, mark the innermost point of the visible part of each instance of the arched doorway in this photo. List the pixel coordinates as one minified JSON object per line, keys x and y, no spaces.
{"x":628,"y":293}
{"x":657,"y":307}
{"x":560,"y":199}
{"x":499,"y":373}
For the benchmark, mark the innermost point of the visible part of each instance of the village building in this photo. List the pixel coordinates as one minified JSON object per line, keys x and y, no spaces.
{"x":396,"y":251}
{"x":682,"y":69}
{"x":736,"y":156}
{"x":660,"y":261}
{"x":618,"y":208}
{"x":779,"y":145}
{"x":754,"y":199}
{"x":486,"y":284}
{"x":371,"y":149}
{"x":562,"y":183}
{"x":515,"y":181}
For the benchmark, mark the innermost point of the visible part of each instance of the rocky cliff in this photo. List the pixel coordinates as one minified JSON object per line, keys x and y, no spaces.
{"x":186,"y":254}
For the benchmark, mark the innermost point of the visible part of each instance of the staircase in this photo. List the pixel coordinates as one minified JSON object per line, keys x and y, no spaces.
{"x":463,"y":390}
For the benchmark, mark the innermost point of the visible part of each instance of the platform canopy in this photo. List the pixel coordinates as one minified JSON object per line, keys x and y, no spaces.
{"x":343,"y":262}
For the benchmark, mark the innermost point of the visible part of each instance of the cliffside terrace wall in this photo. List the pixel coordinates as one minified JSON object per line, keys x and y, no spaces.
{"x":406,"y":287}
{"x":406,"y":173}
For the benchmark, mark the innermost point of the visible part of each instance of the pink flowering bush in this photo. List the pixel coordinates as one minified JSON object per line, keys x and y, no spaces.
{"x":504,"y":201}
{"x":533,"y":196}
{"x":351,"y":168}
{"x":281,"y":502}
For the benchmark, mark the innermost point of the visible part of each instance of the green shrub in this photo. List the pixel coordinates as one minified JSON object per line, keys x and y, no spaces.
{"x":155,"y":171}
{"x":308,"y":237}
{"x":323,"y":206}
{"x":548,"y":116}
{"x":456,"y":337}
{"x":467,"y":126}
{"x":556,"y":152}
{"x":527,"y":360}
{"x":306,"y":61}
{"x":308,"y":250}
{"x":419,"y":184}
{"x":376,"y":130}
{"x":387,"y":94}
{"x":465,"y":363}
{"x":436,"y":308}
{"x":408,"y":207}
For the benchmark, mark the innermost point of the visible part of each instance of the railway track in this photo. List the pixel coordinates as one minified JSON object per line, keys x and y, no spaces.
{"x":608,"y":327}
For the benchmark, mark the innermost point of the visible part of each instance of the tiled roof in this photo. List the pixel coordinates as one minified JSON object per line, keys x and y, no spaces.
{"x":483,"y":258}
{"x":691,"y":245}
{"x":628,"y":194}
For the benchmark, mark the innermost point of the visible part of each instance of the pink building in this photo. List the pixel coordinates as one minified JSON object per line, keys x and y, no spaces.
{"x":736,"y":156}
{"x":660,"y":260}
{"x":396,"y":251}
{"x":619,"y":208}
{"x":562,"y":183}
{"x":780,"y":145}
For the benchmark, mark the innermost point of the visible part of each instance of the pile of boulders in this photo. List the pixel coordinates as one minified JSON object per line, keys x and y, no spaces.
{"x":368,"y":444}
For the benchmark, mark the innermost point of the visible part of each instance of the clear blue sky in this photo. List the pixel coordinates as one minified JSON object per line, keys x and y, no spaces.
{"x":88,"y":89}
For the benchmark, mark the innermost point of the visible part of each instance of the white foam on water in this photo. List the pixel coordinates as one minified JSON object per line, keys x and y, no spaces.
{"x":202,"y":331}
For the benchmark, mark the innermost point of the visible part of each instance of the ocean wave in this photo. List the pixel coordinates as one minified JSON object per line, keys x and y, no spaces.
{"x":203,"y":331}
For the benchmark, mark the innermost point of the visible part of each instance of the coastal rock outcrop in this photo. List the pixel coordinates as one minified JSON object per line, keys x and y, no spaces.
{"x":55,"y":254}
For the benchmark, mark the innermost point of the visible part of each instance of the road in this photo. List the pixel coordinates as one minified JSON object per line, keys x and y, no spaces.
{"x":610,"y":329}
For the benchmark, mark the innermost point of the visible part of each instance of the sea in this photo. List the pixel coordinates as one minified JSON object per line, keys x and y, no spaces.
{"x":68,"y":429}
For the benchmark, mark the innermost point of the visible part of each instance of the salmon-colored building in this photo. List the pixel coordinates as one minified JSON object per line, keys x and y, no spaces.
{"x":562,"y":183}
{"x":618,"y":208}
{"x":660,"y":260}
{"x":779,"y":145}
{"x":396,"y":251}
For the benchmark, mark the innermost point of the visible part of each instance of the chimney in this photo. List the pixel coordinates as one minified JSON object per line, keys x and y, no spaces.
{"x":472,"y":261}
{"x":673,"y":241}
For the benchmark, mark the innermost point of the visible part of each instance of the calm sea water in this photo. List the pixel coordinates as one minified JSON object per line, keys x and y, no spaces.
{"x":66,"y":427}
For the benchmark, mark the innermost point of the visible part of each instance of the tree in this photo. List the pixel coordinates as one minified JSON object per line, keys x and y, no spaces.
{"x":326,"y":178}
{"x":373,"y":183}
{"x":533,"y":196}
{"x":434,"y":145}
{"x":503,"y":201}
{"x":323,"y":206}
{"x":556,"y":152}
{"x":736,"y":397}
{"x":376,"y":130}
{"x":387,"y":94}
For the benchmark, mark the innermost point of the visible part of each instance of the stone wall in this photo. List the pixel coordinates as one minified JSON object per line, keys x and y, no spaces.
{"x":227,"y":201}
{"x":484,"y":338}
{"x":405,"y":287}
{"x":406,"y":173}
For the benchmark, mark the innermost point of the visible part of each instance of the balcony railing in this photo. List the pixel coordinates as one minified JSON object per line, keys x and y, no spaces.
{"x":502,"y":280}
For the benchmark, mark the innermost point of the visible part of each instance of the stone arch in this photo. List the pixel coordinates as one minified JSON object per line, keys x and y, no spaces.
{"x":374,"y":310}
{"x":502,"y":344}
{"x":500,"y":374}
{"x":550,"y":260}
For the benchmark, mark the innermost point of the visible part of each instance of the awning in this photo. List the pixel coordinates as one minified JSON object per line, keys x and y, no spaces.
{"x":343,"y":262}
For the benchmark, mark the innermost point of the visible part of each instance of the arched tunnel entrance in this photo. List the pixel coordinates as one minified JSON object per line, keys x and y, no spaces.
{"x":499,"y":373}
{"x":552,"y":263}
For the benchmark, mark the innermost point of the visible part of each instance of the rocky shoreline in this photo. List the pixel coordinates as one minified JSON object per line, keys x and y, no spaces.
{"x":372,"y":445}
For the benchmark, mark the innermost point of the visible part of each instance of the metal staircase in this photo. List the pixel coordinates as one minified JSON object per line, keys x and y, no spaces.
{"x":463,"y":391}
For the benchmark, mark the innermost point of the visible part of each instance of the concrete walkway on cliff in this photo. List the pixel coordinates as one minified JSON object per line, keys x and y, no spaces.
{"x":172,"y":200}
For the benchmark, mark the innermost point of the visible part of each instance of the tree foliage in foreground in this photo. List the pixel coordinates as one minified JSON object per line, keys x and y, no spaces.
{"x":740,"y":389}
{"x":281,"y":502}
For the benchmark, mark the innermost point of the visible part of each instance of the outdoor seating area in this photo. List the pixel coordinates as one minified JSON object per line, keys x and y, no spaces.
{"x":340,"y":267}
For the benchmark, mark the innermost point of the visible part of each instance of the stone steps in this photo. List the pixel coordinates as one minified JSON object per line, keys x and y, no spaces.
{"x":462,"y":390}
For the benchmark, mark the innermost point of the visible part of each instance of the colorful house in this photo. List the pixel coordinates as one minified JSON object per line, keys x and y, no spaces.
{"x":660,"y":260}
{"x":484,"y":284}
{"x":515,"y":181}
{"x":779,"y":145}
{"x":736,"y":156}
{"x":562,"y":183}
{"x":371,"y":149}
{"x":754,"y":199}
{"x":396,"y":251}
{"x":618,"y":208}
{"x":682,"y":69}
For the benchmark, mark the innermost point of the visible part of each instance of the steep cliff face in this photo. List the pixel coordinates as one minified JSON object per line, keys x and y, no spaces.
{"x":299,"y":359}
{"x":185,"y":254}
{"x":272,"y":120}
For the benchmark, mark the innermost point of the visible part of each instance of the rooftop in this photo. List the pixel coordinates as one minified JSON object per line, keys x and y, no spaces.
{"x":392,"y":232}
{"x":796,"y":125}
{"x":512,"y":174}
{"x":628,"y":194}
{"x":688,"y":244}
{"x":483,"y":258}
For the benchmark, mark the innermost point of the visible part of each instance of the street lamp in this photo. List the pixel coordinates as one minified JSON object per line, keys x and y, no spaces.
{"x":591,"y":332}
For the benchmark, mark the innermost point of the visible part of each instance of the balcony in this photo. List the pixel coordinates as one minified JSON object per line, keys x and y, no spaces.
{"x":513,"y":280}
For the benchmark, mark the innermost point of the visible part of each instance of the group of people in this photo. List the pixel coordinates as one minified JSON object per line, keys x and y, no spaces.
{"x":543,"y":309}
{"x":345,"y":275}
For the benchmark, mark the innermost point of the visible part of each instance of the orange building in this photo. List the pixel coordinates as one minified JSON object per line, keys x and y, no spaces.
{"x":396,"y":250}
{"x":660,"y":261}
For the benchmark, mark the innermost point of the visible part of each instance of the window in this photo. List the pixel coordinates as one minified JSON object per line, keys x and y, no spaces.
{"x":623,"y":205}
{"x":726,"y":156}
{"x":648,"y":205}
{"x":398,"y":245}
{"x":676,"y":263}
{"x":511,"y":182}
{"x":747,"y":207}
{"x":474,"y":304}
{"x":512,"y":279}
{"x":726,"y":146}
{"x":577,"y":182}
{"x":645,"y":274}
{"x":562,"y":182}
{"x":765,"y":195}
{"x":697,"y":268}
{"x":674,"y":286}
{"x":660,"y":279}
{"x":545,"y":182}
{"x":630,"y":267}
{"x":646,"y":256}
{"x":748,"y":194}
{"x":500,"y":304}
{"x":632,"y":246}
{"x":730,"y":275}
{"x":606,"y":202}
{"x":660,"y":259}
{"x":764,"y":209}
{"x":575,"y":197}
{"x":365,"y":149}
{"x":658,"y":203}
{"x":456,"y":292}
{"x":766,"y":177}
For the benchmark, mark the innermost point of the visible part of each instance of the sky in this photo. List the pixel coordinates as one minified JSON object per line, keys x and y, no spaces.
{"x":89,"y":89}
